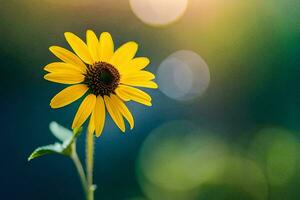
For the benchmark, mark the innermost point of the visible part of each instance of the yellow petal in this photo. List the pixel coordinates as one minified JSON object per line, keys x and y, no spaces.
{"x":134,"y":65}
{"x":79,"y":47}
{"x":93,"y":45}
{"x":137,"y":76}
{"x":85,"y":109}
{"x":135,"y":91}
{"x":114,"y":113}
{"x":65,"y":77}
{"x":123,"y":95}
{"x":136,"y":94}
{"x":106,"y":49}
{"x":146,"y":84}
{"x":91,"y":126}
{"x":99,"y":115}
{"x":67,"y":56}
{"x":68,"y":95}
{"x":123,"y":109}
{"x":63,"y":67}
{"x":124,"y":54}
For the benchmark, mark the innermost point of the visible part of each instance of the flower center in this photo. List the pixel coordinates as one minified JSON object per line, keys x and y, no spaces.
{"x":102,"y":78}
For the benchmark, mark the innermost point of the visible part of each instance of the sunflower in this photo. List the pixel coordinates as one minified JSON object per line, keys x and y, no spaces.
{"x":106,"y":78}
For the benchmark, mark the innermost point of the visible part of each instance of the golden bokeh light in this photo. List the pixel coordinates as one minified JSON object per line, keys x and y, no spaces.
{"x":157,"y":12}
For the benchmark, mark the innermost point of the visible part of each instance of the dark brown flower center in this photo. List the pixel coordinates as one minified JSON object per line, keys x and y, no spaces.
{"x":102,"y":78}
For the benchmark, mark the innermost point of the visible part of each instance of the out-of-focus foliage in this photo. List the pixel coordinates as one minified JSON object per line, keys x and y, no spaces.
{"x":179,"y":160}
{"x":67,"y":138}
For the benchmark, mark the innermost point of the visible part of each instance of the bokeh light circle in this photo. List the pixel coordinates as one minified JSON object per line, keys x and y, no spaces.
{"x":277,"y":150}
{"x":158,"y":12}
{"x":242,"y":178}
{"x":183,"y":75}
{"x":178,"y":157}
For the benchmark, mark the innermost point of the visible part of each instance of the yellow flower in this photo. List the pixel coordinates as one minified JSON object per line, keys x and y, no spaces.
{"x":107,"y":76}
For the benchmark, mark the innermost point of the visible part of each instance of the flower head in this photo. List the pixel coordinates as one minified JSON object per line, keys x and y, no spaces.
{"x":106,"y":78}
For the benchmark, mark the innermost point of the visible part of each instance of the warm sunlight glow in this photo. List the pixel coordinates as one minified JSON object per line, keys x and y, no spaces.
{"x":158,"y":12}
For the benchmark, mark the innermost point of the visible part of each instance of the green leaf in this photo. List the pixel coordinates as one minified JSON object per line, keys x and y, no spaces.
{"x":56,"y":148}
{"x":67,"y":144}
{"x":60,"y":132}
{"x":64,"y":148}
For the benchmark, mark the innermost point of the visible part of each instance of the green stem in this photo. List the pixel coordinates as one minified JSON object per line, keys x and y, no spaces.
{"x":90,"y":164}
{"x":79,"y":167}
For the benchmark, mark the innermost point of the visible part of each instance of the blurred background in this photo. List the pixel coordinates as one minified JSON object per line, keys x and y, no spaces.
{"x":224,"y":123}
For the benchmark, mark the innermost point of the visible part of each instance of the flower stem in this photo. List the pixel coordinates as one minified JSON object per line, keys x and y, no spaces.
{"x":79,"y":167}
{"x":90,"y":164}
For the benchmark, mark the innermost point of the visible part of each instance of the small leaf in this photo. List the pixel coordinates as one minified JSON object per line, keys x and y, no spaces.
{"x":68,"y":143}
{"x":56,"y":148}
{"x":63,"y":134}
{"x":60,"y":132}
